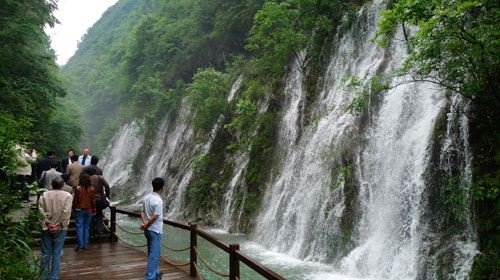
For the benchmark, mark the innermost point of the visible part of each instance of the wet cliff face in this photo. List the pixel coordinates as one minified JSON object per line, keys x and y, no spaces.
{"x":383,"y":194}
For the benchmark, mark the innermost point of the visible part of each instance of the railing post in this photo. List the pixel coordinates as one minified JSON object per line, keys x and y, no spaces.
{"x":234,"y":263}
{"x":193,"y":244}
{"x":112,"y":224}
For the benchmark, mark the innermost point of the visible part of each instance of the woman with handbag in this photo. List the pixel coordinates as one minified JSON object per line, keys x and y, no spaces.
{"x":55,"y":205}
{"x":84,"y":206}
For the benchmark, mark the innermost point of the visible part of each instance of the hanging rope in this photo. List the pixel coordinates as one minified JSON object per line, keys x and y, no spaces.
{"x":173,"y":263}
{"x":175,"y":250}
{"x":208,"y":266}
{"x":198,"y":273}
{"x":123,"y":240}
{"x":135,"y":246}
{"x":126,"y":230}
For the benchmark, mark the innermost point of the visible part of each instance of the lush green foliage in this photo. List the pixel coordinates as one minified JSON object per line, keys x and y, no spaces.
{"x":31,"y":114}
{"x":139,"y":54}
{"x":457,"y":45}
{"x":208,"y":97}
{"x":29,"y":83}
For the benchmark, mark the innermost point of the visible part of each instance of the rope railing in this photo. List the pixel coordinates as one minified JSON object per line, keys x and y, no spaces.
{"x":126,"y":230}
{"x":170,"y":262}
{"x":175,"y":250}
{"x":123,"y":240}
{"x":204,"y":261}
{"x":198,"y":274}
{"x":235,"y":256}
{"x":163,"y":244}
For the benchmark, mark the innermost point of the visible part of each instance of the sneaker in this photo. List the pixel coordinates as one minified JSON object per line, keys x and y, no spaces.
{"x":159,"y":276}
{"x":85,"y":247}
{"x":77,"y":249}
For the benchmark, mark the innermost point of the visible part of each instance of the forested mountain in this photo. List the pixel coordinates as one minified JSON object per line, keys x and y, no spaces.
{"x":361,"y":134}
{"x":139,"y":50}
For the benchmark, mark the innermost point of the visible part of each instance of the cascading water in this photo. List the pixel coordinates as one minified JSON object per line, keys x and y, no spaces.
{"x":301,"y":207}
{"x":302,"y":214}
{"x":121,"y":151}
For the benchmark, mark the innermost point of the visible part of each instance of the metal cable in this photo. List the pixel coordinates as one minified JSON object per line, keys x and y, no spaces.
{"x":208,"y":266}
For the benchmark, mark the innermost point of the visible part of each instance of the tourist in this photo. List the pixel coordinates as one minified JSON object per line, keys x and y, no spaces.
{"x":102,"y":192}
{"x":93,"y":166}
{"x":67,"y":160}
{"x":84,"y":159}
{"x":44,"y":164}
{"x":24,"y":171}
{"x":55,"y":206}
{"x":152,"y":225}
{"x":74,"y":170}
{"x":67,"y":187}
{"x":48,"y":176}
{"x":84,"y":207}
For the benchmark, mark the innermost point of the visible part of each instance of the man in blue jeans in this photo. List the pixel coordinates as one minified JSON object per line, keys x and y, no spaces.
{"x":152,"y":225}
{"x":55,"y":205}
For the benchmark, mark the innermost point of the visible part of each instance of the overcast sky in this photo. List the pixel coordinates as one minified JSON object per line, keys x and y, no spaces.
{"x":75,"y":17}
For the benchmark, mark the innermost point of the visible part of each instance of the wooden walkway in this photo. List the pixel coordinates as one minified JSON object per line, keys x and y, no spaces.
{"x":111,"y":261}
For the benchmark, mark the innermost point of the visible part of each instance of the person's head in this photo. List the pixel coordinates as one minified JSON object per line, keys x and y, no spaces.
{"x":91,"y":171}
{"x":85,"y":180}
{"x":158,"y":184}
{"x":57,"y":183}
{"x":70,"y":153}
{"x":85,"y":152}
{"x":53,"y":163}
{"x":74,"y":158}
{"x":51,"y":154}
{"x":94,"y":160}
{"x":65,"y":177}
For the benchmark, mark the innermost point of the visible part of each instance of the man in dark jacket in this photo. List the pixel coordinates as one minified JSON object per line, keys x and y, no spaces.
{"x":44,"y":164}
{"x":93,"y":166}
{"x":67,"y":160}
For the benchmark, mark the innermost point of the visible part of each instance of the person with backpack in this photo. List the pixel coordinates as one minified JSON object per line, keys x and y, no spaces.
{"x":55,"y":206}
{"x":84,"y":207}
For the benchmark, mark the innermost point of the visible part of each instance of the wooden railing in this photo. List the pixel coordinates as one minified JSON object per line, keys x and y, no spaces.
{"x":235,"y":256}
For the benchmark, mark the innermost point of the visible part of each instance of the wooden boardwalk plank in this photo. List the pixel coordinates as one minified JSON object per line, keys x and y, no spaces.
{"x":111,"y":261}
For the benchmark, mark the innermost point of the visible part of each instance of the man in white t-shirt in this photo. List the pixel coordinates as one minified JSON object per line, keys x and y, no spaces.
{"x":152,"y":225}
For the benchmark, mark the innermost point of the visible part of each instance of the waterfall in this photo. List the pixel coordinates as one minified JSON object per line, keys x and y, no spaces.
{"x":301,"y":207}
{"x":120,"y":153}
{"x":359,"y":193}
{"x":302,"y":213}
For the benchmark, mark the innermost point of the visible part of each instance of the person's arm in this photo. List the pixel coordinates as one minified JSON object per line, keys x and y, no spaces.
{"x":76,"y":197}
{"x":105,"y":185}
{"x":66,"y":214}
{"x":146,"y":225}
{"x":93,"y":201}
